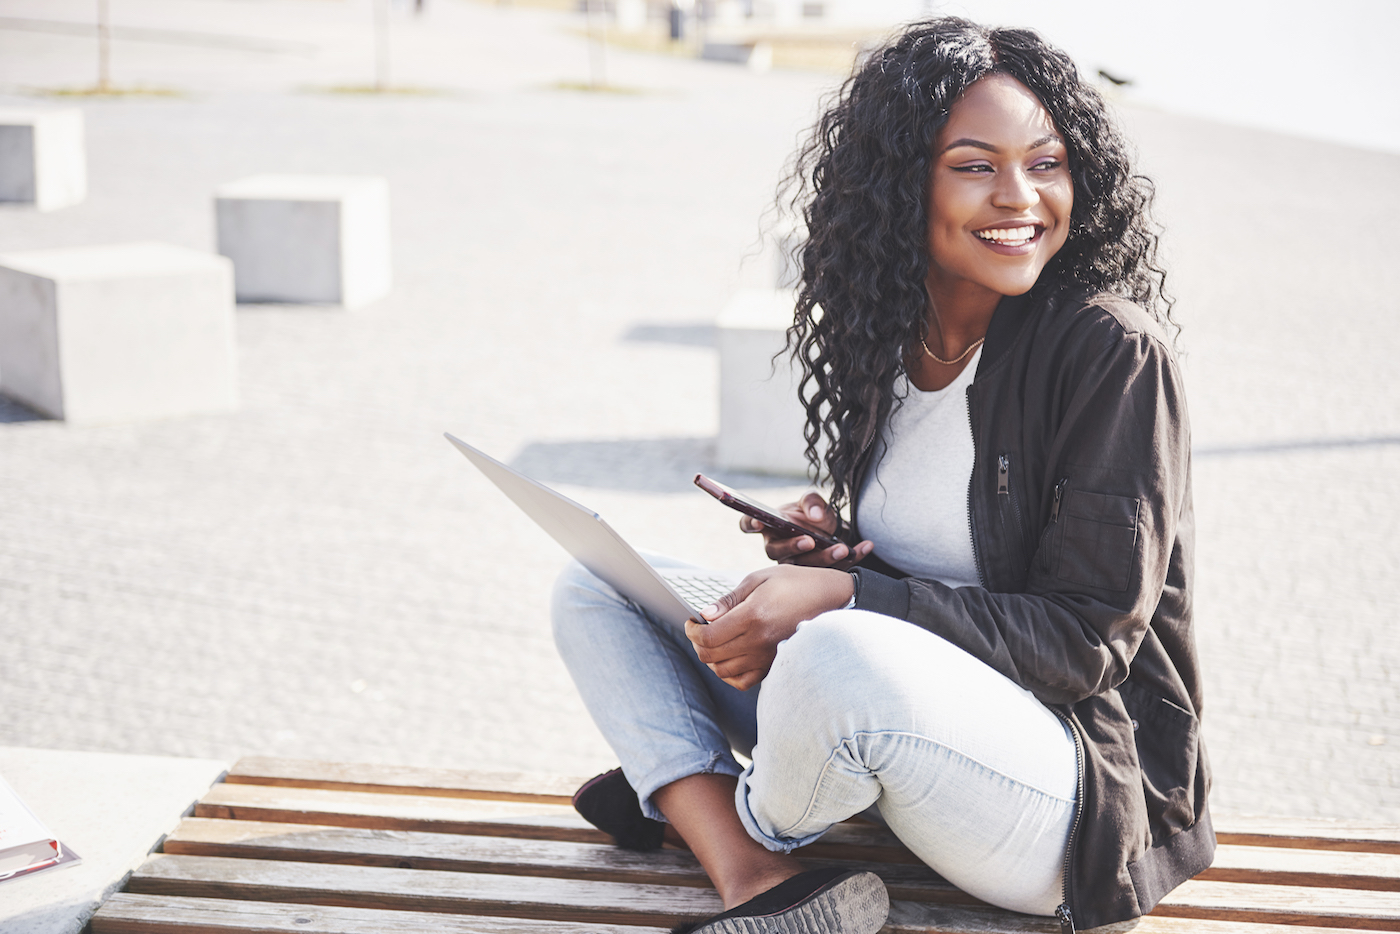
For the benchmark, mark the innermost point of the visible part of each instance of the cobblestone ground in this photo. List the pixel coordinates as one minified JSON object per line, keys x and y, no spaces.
{"x":319,"y":574}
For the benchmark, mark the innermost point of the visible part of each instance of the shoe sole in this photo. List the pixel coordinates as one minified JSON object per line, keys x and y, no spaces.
{"x":855,"y":905}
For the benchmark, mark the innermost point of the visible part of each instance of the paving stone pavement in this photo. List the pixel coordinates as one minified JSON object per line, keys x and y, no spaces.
{"x":319,"y":574}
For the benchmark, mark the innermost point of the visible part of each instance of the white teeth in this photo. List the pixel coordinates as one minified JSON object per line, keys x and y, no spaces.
{"x":1007,"y":234}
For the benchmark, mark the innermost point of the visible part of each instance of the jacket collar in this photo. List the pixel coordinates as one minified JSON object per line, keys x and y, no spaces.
{"x":1011,"y":315}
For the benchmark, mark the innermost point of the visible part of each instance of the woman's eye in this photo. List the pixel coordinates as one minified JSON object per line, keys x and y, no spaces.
{"x":979,"y":168}
{"x":1049,"y":165}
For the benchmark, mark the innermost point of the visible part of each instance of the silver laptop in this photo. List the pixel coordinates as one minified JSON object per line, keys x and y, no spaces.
{"x":671,"y":594}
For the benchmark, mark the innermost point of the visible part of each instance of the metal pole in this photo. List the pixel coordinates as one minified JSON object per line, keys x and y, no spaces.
{"x":381,"y":45}
{"x":104,"y":47}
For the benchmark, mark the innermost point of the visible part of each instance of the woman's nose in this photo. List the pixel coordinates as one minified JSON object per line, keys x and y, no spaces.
{"x":1014,"y":190}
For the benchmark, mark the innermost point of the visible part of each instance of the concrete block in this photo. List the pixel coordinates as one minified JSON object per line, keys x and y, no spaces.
{"x":306,"y":238}
{"x":111,"y":810}
{"x":115,"y":333}
{"x":756,"y":56}
{"x":42,"y":161}
{"x":760,"y":417}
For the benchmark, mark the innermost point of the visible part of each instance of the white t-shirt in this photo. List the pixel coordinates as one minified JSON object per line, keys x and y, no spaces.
{"x":914,"y":502}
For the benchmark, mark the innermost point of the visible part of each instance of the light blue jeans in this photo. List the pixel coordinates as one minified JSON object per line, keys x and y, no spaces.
{"x":969,"y":770}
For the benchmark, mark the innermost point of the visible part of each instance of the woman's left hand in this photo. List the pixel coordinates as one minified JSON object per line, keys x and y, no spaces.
{"x":746,"y":625}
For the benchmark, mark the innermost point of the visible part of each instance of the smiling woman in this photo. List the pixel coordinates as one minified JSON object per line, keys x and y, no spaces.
{"x":999,"y":198}
{"x":996,"y":659}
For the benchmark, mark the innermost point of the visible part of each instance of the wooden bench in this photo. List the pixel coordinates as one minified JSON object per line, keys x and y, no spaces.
{"x":294,"y":846}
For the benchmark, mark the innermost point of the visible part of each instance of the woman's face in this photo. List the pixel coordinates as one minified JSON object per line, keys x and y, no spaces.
{"x":1000,"y":193}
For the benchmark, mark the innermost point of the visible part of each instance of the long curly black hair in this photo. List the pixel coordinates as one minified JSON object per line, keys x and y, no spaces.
{"x":860,"y":184}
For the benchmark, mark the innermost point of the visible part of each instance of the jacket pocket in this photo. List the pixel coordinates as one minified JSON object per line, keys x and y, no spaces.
{"x":1168,"y":744}
{"x":1100,"y":539}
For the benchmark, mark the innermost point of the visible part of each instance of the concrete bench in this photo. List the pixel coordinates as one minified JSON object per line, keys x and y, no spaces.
{"x":111,"y":810}
{"x":42,"y":161}
{"x":320,"y":239}
{"x":287,"y":845}
{"x":115,"y":333}
{"x":760,"y":418}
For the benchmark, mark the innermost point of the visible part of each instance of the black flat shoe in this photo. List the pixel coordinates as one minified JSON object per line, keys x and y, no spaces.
{"x":609,"y":803}
{"x":819,"y":901}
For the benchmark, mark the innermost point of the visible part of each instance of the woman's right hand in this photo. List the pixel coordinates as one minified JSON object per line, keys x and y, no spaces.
{"x":813,"y":512}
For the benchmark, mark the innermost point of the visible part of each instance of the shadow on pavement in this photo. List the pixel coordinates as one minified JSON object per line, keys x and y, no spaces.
{"x":645,"y":465}
{"x":12,"y":411}
{"x":688,"y":335}
{"x":1286,"y":447}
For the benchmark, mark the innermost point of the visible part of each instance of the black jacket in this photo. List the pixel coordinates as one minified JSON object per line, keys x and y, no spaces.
{"x":1080,"y":503}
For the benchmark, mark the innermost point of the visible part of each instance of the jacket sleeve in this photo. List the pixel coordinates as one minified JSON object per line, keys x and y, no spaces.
{"x":1119,"y":457}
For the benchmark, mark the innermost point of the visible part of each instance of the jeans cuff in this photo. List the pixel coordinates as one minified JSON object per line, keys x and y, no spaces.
{"x":715,"y":763}
{"x":776,"y":844}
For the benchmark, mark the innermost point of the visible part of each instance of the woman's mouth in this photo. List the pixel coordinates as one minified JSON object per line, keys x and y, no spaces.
{"x":1010,"y":236}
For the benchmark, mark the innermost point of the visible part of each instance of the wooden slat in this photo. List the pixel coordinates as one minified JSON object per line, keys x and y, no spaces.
{"x":858,"y":841}
{"x":922,"y":918}
{"x":407,"y":849}
{"x":1317,"y":868}
{"x":396,"y":779}
{"x":621,"y":903}
{"x":397,"y":812}
{"x":128,"y":913}
{"x":1309,"y":834}
{"x":421,"y":890}
{"x":1283,"y":904}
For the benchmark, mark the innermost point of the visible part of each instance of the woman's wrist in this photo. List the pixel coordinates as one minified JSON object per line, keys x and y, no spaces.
{"x":842,"y":591}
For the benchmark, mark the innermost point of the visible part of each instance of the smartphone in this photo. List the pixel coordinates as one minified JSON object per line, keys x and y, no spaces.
{"x":756,"y":510}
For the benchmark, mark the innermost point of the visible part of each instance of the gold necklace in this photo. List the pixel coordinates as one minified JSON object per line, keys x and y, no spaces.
{"x":959,"y":358}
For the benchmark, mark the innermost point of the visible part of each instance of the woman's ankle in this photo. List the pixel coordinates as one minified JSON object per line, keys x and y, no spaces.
{"x":756,"y":883}
{"x":701,"y":809}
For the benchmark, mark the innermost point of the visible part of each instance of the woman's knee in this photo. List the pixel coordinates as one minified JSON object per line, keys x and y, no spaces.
{"x":832,"y":644}
{"x":577,"y":594}
{"x":824,"y":664}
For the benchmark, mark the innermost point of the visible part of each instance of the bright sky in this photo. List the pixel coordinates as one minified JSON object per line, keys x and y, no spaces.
{"x":1324,"y":70}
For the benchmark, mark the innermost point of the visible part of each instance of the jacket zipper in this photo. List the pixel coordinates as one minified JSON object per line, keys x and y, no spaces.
{"x":1063,"y":913}
{"x":971,"y":531}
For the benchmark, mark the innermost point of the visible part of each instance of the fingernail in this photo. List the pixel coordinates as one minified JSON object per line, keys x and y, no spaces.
{"x":815,"y":512}
{"x":710,"y":612}
{"x":806,"y":544}
{"x":840,"y":552}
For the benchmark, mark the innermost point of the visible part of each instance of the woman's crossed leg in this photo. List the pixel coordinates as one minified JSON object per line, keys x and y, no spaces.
{"x":972,"y":773}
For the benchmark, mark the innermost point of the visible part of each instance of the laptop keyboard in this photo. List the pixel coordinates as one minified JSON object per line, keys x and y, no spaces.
{"x":699,"y":588}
